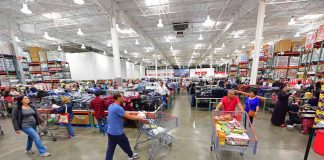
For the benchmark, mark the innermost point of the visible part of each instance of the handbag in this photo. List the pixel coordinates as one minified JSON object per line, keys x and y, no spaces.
{"x":64,"y":118}
{"x":251,"y":112}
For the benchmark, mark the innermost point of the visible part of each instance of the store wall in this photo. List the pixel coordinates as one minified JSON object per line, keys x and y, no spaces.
{"x":123,"y":68}
{"x":90,"y":66}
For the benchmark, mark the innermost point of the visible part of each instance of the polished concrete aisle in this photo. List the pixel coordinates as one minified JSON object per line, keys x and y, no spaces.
{"x":192,"y":141}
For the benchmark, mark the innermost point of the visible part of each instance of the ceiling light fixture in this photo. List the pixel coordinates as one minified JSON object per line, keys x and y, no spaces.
{"x":25,"y":9}
{"x":136,"y":42}
{"x":46,"y":36}
{"x":83,"y":47}
{"x":109,"y":44}
{"x":228,"y":55}
{"x":160,"y":24}
{"x":292,"y":21}
{"x":17,"y":39}
{"x":243,"y":46}
{"x":59,"y":48}
{"x":80,"y":33}
{"x":236,"y":35}
{"x":223,"y":46}
{"x":125,"y":51}
{"x":171,"y":48}
{"x":236,"y":50}
{"x":200,"y":37}
{"x":104,"y":53}
{"x":297,"y":34}
{"x":79,"y":2}
{"x":208,"y":22}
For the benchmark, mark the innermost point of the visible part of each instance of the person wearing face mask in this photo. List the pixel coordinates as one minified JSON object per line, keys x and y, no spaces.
{"x":281,"y":107}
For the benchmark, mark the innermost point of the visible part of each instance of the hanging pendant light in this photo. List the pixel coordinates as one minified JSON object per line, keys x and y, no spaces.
{"x":59,"y":48}
{"x":160,"y":24}
{"x":46,"y":36}
{"x":80,"y":33}
{"x":125,"y":51}
{"x":17,"y":39}
{"x":136,"y":42}
{"x":79,"y":2}
{"x":223,"y":46}
{"x":83,"y":47}
{"x":243,"y":46}
{"x":297,"y":34}
{"x":208,"y":22}
{"x":292,"y":21}
{"x":200,"y":37}
{"x":171,"y":48}
{"x":25,"y":9}
{"x":104,"y":53}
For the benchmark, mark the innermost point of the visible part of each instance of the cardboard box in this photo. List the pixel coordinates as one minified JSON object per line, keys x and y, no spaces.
{"x":34,"y":54}
{"x":81,"y":120}
{"x":282,"y":46}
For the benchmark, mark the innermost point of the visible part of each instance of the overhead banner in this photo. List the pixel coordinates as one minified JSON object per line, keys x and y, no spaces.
{"x":310,"y":40}
{"x":320,"y":34}
{"x":181,"y":73}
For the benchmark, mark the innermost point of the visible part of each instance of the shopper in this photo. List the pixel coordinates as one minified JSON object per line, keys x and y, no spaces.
{"x":193,"y":94}
{"x":163,"y":91}
{"x":116,"y":135}
{"x":299,"y":85}
{"x":25,"y":118}
{"x":281,"y":108}
{"x":229,"y":102}
{"x":67,"y":107}
{"x":98,"y":105}
{"x":252,"y":105}
{"x":293,"y":109}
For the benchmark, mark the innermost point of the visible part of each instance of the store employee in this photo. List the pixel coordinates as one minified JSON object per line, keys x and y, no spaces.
{"x":229,"y":102}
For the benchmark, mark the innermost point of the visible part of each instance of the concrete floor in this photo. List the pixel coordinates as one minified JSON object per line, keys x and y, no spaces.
{"x":192,"y":141}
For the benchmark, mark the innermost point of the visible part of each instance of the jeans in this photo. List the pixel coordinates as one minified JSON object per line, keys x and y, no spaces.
{"x":33,"y":136}
{"x":69,"y":126}
{"x":164,"y":98}
{"x":122,"y":141}
{"x":102,"y":125}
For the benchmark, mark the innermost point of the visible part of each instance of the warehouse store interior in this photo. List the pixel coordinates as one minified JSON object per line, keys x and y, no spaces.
{"x":162,"y":79}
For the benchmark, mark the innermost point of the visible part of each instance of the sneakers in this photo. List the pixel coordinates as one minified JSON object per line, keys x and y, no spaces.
{"x":290,"y":126}
{"x":135,"y":156}
{"x":29,"y":152}
{"x":73,"y":137}
{"x":46,"y":154}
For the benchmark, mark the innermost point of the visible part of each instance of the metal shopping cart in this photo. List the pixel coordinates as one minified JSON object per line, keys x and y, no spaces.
{"x":238,"y":141}
{"x":155,"y":127}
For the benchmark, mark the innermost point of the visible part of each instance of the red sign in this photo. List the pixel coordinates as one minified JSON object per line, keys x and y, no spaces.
{"x":220,"y":73}
{"x":320,"y":34}
{"x":310,"y":39}
{"x":201,"y":73}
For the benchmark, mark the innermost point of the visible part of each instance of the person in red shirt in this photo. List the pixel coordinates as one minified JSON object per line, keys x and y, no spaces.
{"x":229,"y":102}
{"x":98,"y":105}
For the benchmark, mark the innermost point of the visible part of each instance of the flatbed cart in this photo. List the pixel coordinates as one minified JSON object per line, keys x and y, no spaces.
{"x":155,"y":127}
{"x":238,"y":145}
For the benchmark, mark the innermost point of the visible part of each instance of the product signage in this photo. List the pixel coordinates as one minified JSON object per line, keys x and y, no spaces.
{"x":223,"y":73}
{"x":181,"y":72}
{"x":201,"y":73}
{"x":310,"y":40}
{"x":320,"y":34}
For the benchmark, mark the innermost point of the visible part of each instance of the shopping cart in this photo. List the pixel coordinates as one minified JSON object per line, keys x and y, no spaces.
{"x":155,"y":127}
{"x":243,"y":143}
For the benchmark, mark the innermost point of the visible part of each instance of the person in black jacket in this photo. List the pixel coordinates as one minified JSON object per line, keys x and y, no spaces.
{"x":25,"y":118}
{"x":193,"y":94}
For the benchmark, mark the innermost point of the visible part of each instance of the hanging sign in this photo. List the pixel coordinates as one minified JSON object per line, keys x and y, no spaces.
{"x":320,"y":34}
{"x":310,"y":40}
{"x":201,"y":73}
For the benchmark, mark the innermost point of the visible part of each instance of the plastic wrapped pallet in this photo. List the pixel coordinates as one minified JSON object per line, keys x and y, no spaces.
{"x":282,"y":61}
{"x":294,"y":61}
{"x":5,"y":48}
{"x":281,"y":73}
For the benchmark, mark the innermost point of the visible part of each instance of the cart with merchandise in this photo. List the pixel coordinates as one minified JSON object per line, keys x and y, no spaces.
{"x":155,"y":127}
{"x":232,"y":131}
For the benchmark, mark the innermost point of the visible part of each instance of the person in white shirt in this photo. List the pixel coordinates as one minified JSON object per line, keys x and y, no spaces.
{"x":299,"y":85}
{"x":163,"y":91}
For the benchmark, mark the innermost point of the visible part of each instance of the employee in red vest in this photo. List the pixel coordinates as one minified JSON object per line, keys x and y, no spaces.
{"x":229,"y":102}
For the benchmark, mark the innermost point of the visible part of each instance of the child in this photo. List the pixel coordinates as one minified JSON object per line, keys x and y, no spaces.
{"x":292,"y":111}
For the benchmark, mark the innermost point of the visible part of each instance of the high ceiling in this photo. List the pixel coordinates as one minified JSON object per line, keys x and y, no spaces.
{"x":137,"y":21}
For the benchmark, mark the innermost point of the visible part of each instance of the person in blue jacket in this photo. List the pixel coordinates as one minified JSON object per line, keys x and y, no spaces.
{"x":67,"y":108}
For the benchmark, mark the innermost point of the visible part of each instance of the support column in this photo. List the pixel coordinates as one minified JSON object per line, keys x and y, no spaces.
{"x":200,"y":70}
{"x":141,"y":72}
{"x":211,"y":62}
{"x":116,"y":53}
{"x":226,"y":68}
{"x":156,"y":72}
{"x":257,"y":46}
{"x":166,"y":71}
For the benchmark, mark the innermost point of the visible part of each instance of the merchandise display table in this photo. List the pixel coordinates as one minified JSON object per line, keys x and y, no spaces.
{"x":210,"y":102}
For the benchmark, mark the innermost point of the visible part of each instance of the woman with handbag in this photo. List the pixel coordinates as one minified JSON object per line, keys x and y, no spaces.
{"x":25,"y":118}
{"x":66,"y":115}
{"x":252,"y":103}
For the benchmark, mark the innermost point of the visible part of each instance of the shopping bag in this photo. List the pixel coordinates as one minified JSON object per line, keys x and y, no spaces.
{"x":64,"y":118}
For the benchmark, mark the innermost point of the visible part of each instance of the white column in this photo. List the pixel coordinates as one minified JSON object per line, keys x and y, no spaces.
{"x":156,"y":72}
{"x":200,"y":70}
{"x":115,"y":46}
{"x":257,"y":46}
{"x":211,"y":62}
{"x":141,"y":72}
